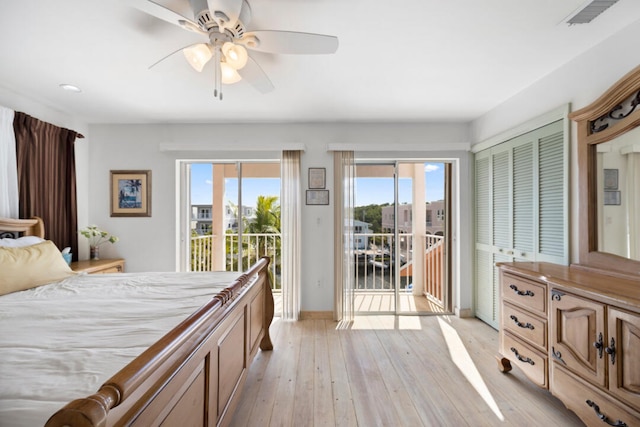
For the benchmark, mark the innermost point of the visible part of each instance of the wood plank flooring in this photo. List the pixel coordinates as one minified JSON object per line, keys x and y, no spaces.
{"x":390,"y":371}
{"x":373,"y":302}
{"x":376,"y":302}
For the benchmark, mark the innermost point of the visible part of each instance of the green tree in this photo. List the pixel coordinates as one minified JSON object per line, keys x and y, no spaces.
{"x":371,"y":214}
{"x":267,"y":219}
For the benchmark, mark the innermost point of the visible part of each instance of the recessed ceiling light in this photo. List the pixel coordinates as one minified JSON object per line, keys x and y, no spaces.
{"x":70,"y":88}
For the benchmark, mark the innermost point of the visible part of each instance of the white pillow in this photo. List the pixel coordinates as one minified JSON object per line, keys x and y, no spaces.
{"x":20,"y":242}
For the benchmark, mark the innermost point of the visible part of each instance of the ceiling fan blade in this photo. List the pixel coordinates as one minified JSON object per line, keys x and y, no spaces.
{"x":253,"y":74}
{"x":154,"y":9}
{"x":225,"y":12}
{"x":172,"y":53}
{"x":292,"y":42}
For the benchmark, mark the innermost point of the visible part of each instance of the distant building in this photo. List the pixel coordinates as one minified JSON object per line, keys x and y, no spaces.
{"x":231,"y":217}
{"x":201,"y":216}
{"x":434,"y":223}
{"x":360,"y":227}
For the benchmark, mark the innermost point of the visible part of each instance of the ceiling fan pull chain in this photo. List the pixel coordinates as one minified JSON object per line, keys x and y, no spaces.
{"x":218,"y":66}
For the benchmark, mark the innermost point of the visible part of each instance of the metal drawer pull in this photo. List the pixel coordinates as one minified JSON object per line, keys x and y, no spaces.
{"x":522,"y":359}
{"x":603,"y":417}
{"x":520,"y":324}
{"x":523,"y":293}
{"x":557,"y":355}
{"x":556,"y":295}
{"x":611,"y":351}
{"x":599,"y":345}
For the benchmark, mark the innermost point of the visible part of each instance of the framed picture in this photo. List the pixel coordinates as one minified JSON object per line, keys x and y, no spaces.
{"x":317,"y":197}
{"x":130,"y":193}
{"x":317,"y":178}
{"x":611,"y":179}
{"x":612,"y":198}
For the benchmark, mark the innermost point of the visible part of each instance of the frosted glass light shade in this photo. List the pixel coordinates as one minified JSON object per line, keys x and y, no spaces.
{"x":229,"y":75}
{"x":235,"y":55}
{"x":197,"y":55}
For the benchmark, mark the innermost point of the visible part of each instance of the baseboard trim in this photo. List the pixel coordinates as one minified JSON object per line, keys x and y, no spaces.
{"x":316,"y":315}
{"x":464,"y":313}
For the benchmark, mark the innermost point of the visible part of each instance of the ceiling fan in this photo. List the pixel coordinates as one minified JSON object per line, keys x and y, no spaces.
{"x":223,"y":25}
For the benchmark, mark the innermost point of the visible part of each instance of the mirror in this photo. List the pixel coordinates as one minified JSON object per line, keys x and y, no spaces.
{"x":618,"y":195}
{"x":609,"y":179}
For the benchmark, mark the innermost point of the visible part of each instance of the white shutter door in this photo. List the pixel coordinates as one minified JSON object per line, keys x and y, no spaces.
{"x":520,"y":210}
{"x":485,"y":306}
{"x":553,"y":193}
{"x":523,"y":201}
{"x":501,"y":196}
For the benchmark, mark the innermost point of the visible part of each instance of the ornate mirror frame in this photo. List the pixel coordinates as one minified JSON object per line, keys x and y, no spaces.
{"x":617,"y":111}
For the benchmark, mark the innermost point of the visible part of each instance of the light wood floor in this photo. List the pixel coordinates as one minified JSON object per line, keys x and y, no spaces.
{"x":375,"y":302}
{"x":390,"y":371}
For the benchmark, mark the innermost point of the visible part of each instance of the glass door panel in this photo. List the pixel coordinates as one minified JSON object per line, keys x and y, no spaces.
{"x":374,"y":239}
{"x":401,"y":228}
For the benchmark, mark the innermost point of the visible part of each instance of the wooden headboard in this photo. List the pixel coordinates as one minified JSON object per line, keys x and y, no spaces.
{"x":10,"y":227}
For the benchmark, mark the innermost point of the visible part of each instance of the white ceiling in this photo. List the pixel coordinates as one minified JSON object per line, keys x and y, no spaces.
{"x":406,"y":60}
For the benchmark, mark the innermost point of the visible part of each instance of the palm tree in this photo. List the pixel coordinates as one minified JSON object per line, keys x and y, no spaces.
{"x":266,"y":221}
{"x":267,"y":218}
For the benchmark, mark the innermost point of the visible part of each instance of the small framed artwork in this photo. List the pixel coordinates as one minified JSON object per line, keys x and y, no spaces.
{"x":317,"y":178}
{"x":130,"y":193}
{"x":317,"y":197}
{"x":612,"y":198}
{"x":610,"y":179}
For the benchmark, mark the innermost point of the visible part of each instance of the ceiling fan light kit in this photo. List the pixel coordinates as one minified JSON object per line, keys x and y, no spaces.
{"x":197,"y":55}
{"x":224,"y":23}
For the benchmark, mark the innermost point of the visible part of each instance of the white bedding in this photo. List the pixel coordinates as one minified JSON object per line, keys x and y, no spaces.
{"x":62,"y":341}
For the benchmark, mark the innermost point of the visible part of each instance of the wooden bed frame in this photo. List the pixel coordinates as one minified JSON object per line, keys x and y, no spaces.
{"x":193,"y":376}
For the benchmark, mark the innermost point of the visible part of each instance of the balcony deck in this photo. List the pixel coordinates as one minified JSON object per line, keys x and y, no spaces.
{"x":374,"y":268}
{"x":382,"y":302}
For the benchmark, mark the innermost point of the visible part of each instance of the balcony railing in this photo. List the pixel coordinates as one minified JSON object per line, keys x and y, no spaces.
{"x":374,"y":259}
{"x":375,"y":263}
{"x":254,"y":246}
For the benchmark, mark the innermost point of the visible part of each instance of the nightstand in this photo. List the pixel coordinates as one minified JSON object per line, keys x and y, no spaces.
{"x":99,"y":266}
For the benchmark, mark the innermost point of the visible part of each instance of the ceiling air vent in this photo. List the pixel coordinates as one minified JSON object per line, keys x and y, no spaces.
{"x":589,"y":11}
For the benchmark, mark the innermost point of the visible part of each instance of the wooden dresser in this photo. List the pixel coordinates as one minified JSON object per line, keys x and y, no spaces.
{"x":99,"y":266}
{"x":577,"y":333}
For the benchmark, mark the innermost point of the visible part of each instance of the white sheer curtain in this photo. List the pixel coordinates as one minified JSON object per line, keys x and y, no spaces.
{"x":8,"y":166}
{"x":344,"y":174}
{"x":291,"y":209}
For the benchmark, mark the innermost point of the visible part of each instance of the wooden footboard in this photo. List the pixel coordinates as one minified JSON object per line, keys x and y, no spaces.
{"x":194,"y":374}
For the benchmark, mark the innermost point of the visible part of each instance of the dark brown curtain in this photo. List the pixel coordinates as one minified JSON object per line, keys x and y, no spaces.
{"x":47,"y":178}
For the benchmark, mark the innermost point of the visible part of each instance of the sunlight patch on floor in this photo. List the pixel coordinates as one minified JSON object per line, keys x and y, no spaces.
{"x":381,"y":322}
{"x":461,"y":358}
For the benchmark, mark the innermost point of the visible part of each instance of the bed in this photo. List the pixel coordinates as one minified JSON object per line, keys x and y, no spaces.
{"x":137,"y":349}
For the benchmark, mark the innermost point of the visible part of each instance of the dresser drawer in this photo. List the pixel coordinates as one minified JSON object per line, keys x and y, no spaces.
{"x":524,"y":293}
{"x":589,"y":403}
{"x":525,"y":325}
{"x":531,"y":361}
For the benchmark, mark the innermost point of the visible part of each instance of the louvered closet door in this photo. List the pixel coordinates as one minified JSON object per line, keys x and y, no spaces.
{"x":521,"y":208}
{"x":553,"y":196}
{"x":485,"y":290}
{"x":524,"y":201}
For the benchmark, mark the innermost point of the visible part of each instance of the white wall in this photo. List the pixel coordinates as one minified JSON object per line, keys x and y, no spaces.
{"x":579,"y":82}
{"x":149,"y":243}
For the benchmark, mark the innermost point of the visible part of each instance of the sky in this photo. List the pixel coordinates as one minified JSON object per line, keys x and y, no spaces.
{"x":368,"y":190}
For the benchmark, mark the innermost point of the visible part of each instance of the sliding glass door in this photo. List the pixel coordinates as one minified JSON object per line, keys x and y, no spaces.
{"x":230,"y":216}
{"x":401,"y":224}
